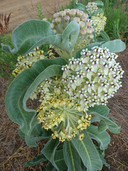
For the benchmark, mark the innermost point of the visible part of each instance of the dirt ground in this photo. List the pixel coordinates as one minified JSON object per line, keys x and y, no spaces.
{"x":22,"y":10}
{"x":14,"y":152}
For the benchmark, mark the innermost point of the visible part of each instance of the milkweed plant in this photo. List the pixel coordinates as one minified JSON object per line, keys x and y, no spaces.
{"x":72,"y":89}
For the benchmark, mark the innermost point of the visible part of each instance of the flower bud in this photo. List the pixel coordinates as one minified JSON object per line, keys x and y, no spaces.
{"x":51,"y":25}
{"x":83,"y":18}
{"x":72,"y":12}
{"x":67,"y":11}
{"x":80,"y":13}
{"x":56,"y":15}
{"x":81,"y":24}
{"x":91,"y":36}
{"x":66,"y":18}
{"x":58,"y":20}
{"x":45,"y":19}
{"x":83,"y":32}
{"x":89,"y":30}
{"x":53,"y":21}
{"x":89,"y":24}
{"x":77,"y":19}
{"x":62,"y":13}
{"x":85,"y":15}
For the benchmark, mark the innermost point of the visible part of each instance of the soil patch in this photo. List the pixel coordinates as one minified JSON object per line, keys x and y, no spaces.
{"x":22,"y":10}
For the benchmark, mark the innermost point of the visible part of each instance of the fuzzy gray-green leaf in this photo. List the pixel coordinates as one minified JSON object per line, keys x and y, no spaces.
{"x":87,"y":152}
{"x":71,"y":157}
{"x":102,"y":138}
{"x":15,"y":105}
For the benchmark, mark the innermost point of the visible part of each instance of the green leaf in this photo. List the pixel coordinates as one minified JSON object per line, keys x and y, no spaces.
{"x":87,"y":152}
{"x":80,"y":6}
{"x":29,"y":139}
{"x":102,"y":111}
{"x":104,"y":35}
{"x":33,"y":33}
{"x":59,"y":160}
{"x":50,"y":149}
{"x":102,"y":155}
{"x":45,"y":135}
{"x":27,"y":34}
{"x":114,"y":46}
{"x":102,"y":126}
{"x":16,"y":107}
{"x":36,"y":134}
{"x":100,"y":10}
{"x":83,"y":167}
{"x":78,"y":53}
{"x":99,"y":3}
{"x":36,"y":160}
{"x":71,"y":157}
{"x":102,"y":138}
{"x":37,"y":130}
{"x":21,"y":134}
{"x":49,"y":167}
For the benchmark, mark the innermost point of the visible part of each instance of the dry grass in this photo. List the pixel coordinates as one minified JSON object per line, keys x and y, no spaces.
{"x":14,"y":152}
{"x":4,"y":23}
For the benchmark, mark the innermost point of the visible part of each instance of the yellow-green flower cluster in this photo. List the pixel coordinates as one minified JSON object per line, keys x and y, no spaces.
{"x":91,"y":7}
{"x":32,"y":57}
{"x":99,"y":22}
{"x":63,"y":18}
{"x":59,"y":112}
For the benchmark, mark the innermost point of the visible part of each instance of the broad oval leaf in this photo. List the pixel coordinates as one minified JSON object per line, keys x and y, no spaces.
{"x":104,"y":35}
{"x":99,"y":3}
{"x":87,"y":151}
{"x":102,"y":138}
{"x":100,"y":10}
{"x":101,"y":109}
{"x":80,"y":6}
{"x":49,"y":151}
{"x":16,"y":92}
{"x":71,"y":157}
{"x":114,"y":46}
{"x":49,"y":167}
{"x":27,"y":34}
{"x":78,"y":53}
{"x":36,"y":160}
{"x":101,"y":112}
{"x":33,"y":33}
{"x":59,"y":159}
{"x":102,"y":126}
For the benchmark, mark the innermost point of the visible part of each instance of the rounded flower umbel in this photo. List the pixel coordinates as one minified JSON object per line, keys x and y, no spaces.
{"x":60,"y":113}
{"x":99,"y":22}
{"x":86,"y":81}
{"x":91,"y":7}
{"x":63,"y":18}
{"x":93,"y":78}
{"x":25,"y":62}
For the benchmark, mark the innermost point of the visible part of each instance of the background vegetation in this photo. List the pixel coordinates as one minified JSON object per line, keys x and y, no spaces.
{"x":116,"y":27}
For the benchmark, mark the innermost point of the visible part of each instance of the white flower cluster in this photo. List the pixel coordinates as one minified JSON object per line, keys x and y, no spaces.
{"x":91,"y":7}
{"x":63,"y":18}
{"x":93,"y":78}
{"x":99,"y":22}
